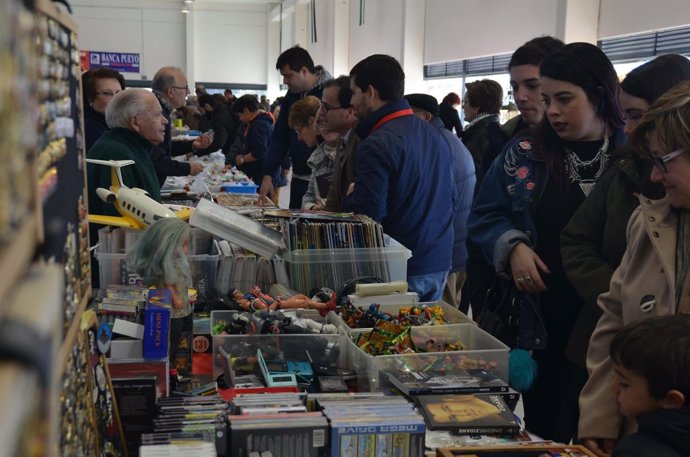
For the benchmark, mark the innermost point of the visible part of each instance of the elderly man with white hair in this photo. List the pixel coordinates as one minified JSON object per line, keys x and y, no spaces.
{"x":137,"y":124}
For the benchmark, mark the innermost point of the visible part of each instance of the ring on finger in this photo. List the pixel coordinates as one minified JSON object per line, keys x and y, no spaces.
{"x":521,"y":279}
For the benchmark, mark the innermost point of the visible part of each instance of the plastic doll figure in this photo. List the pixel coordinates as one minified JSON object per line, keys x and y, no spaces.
{"x":256,"y":300}
{"x":160,"y":258}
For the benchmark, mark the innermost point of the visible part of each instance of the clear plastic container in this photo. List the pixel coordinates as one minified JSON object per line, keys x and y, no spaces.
{"x":310,"y":268}
{"x":451,"y":313}
{"x":482,"y":351}
{"x":113,"y":269}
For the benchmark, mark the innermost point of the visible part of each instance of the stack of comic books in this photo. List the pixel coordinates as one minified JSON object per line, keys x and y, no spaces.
{"x":372,"y":427}
{"x":277,"y":423}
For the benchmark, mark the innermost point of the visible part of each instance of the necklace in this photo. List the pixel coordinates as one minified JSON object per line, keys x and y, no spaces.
{"x":575,"y":164}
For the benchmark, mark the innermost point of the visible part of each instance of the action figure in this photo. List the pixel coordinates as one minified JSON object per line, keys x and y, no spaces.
{"x":256,"y":300}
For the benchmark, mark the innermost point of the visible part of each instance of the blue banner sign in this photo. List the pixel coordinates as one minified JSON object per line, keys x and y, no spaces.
{"x":120,"y":61}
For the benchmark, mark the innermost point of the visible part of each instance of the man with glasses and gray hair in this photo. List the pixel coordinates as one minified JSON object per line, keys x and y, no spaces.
{"x":137,"y":124}
{"x":171,"y":88}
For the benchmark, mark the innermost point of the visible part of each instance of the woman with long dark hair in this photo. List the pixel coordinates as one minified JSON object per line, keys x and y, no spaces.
{"x":593,"y":242}
{"x":527,"y":197}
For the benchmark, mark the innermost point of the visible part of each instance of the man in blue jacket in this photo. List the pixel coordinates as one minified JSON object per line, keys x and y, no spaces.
{"x":302,"y":78}
{"x":402,"y":173}
{"x":427,"y":109}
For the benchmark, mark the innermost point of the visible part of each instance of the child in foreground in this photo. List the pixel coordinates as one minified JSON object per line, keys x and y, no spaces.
{"x":652,"y":381}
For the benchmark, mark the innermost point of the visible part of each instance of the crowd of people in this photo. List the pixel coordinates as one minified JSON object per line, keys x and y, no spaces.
{"x":580,"y":203}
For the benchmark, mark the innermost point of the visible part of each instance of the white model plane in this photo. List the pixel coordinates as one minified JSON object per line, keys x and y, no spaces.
{"x":138,"y":210}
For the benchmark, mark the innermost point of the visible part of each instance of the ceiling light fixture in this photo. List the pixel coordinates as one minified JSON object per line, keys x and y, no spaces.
{"x":189,"y":1}
{"x":185,"y":11}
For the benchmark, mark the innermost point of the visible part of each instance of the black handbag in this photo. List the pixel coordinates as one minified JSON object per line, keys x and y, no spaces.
{"x":501,"y":314}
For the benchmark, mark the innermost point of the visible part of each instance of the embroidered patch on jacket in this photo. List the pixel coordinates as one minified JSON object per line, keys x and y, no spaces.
{"x":513,"y":162}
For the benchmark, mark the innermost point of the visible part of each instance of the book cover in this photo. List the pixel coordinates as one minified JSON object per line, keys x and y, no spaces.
{"x":445,"y":382}
{"x":481,"y":414}
{"x":136,"y":399}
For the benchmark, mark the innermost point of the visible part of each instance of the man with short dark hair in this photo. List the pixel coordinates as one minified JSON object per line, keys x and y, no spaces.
{"x":427,"y":109}
{"x":229,"y":96}
{"x":525,"y":81}
{"x":402,"y":175}
{"x":221,"y":121}
{"x":169,"y":85}
{"x":337,"y":114}
{"x":302,"y":78}
{"x":254,"y":137}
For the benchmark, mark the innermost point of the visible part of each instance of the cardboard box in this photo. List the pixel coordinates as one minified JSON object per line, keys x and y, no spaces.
{"x":127,"y":328}
{"x":157,"y":324}
{"x":126,"y":349}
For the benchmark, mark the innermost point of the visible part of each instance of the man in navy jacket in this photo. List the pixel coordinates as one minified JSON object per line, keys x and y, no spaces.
{"x":403,"y":175}
{"x":302,"y":78}
{"x":427,"y":109}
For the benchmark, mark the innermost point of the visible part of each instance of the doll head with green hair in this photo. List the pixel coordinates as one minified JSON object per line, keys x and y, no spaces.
{"x":160,"y":255}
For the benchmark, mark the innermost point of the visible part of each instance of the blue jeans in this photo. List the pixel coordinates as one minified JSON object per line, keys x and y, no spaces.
{"x":429,"y":286}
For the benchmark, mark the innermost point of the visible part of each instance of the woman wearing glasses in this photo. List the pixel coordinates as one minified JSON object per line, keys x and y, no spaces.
{"x":528,"y":195}
{"x":303,"y":119}
{"x":99,"y":86}
{"x":592,"y":244}
{"x":652,"y":278}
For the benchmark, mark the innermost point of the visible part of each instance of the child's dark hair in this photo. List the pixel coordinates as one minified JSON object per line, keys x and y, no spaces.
{"x":658,"y":349}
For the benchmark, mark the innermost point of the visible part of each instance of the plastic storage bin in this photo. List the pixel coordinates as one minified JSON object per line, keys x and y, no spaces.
{"x":483,"y":351}
{"x":113,"y":269}
{"x":240,"y":188}
{"x":326,"y":351}
{"x":452,"y":314}
{"x":310,"y":268}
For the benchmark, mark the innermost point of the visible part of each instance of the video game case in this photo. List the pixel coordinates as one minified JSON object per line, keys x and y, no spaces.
{"x":282,"y":438}
{"x":445,"y":382}
{"x":387,"y":437}
{"x":466,"y":414}
{"x":136,"y":401}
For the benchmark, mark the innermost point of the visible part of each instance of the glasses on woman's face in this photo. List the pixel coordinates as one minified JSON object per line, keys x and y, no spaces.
{"x":660,"y":161}
{"x":108,"y":93}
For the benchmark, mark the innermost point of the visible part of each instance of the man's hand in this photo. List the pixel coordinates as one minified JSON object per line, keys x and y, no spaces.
{"x":601,"y":447}
{"x":525,"y":265}
{"x":350,"y":189}
{"x":203,"y":141}
{"x":195,"y":168}
{"x":266,"y":189}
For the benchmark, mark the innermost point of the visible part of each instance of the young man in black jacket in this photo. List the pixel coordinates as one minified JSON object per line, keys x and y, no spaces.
{"x":302,"y":78}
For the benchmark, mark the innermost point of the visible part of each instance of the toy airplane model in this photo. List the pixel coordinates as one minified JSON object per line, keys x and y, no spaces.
{"x":138,"y":210}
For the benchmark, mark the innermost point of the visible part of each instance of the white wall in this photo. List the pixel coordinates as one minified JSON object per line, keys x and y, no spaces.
{"x":625,"y":17}
{"x":322,"y":51}
{"x":230,"y":45}
{"x":474,"y":28}
{"x":154,"y":31}
{"x":381,"y":33}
